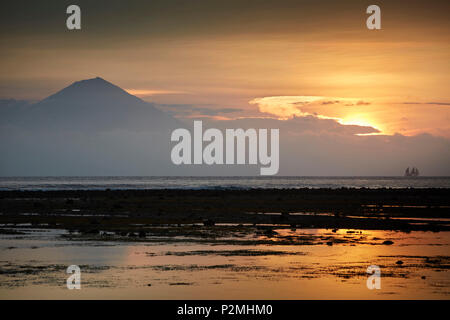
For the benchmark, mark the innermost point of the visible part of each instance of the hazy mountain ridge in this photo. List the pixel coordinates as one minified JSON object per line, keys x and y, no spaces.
{"x":11,"y":110}
{"x":95,"y":105}
{"x":90,"y":127}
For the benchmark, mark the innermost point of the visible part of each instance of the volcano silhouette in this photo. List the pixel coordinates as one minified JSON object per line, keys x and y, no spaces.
{"x":96,"y":104}
{"x":91,"y":127}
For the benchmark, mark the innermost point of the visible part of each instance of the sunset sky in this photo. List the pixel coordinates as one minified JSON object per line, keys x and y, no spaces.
{"x":224,"y":60}
{"x":227,"y":55}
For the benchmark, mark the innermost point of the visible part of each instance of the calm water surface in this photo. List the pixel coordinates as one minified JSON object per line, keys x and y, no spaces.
{"x":34,"y":265}
{"x":99,"y":183}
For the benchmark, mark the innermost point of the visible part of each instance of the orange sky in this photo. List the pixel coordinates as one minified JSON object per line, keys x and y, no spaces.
{"x":231,"y":56}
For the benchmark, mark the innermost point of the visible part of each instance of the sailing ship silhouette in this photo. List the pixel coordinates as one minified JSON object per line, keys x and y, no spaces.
{"x":414,"y":172}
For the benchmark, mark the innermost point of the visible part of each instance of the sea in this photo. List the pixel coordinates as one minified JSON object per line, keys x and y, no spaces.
{"x":214,"y":182}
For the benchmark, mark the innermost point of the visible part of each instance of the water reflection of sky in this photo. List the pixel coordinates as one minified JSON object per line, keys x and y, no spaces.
{"x":310,"y":271}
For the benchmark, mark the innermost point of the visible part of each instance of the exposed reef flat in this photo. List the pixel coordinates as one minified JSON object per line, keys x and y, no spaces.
{"x":131,"y":212}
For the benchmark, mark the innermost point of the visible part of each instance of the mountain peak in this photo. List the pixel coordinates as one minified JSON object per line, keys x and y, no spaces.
{"x":97,"y":80}
{"x":91,"y":88}
{"x":97,"y":104}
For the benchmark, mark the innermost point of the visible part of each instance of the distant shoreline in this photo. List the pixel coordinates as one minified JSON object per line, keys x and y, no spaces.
{"x":215,"y":183}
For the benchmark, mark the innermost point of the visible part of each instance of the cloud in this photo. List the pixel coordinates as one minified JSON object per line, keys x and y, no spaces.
{"x":284,"y":107}
{"x":330,"y":102}
{"x":359,"y":103}
{"x":325,"y":108}
{"x":297,"y":126}
{"x":190,"y":110}
{"x":313,"y":146}
{"x":434,"y":103}
{"x":147,"y":92}
{"x":213,"y":112}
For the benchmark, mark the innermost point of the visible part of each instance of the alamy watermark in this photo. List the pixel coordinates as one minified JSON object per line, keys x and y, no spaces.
{"x":74,"y":281}
{"x":374,"y":20}
{"x":235,"y":147}
{"x":374,"y":280}
{"x":73,"y":21}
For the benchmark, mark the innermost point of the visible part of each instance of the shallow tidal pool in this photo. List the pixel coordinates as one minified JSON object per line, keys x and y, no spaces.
{"x":332,"y":265}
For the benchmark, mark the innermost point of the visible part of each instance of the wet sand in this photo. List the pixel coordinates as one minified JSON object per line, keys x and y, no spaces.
{"x":415,"y":266}
{"x":247,"y":244}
